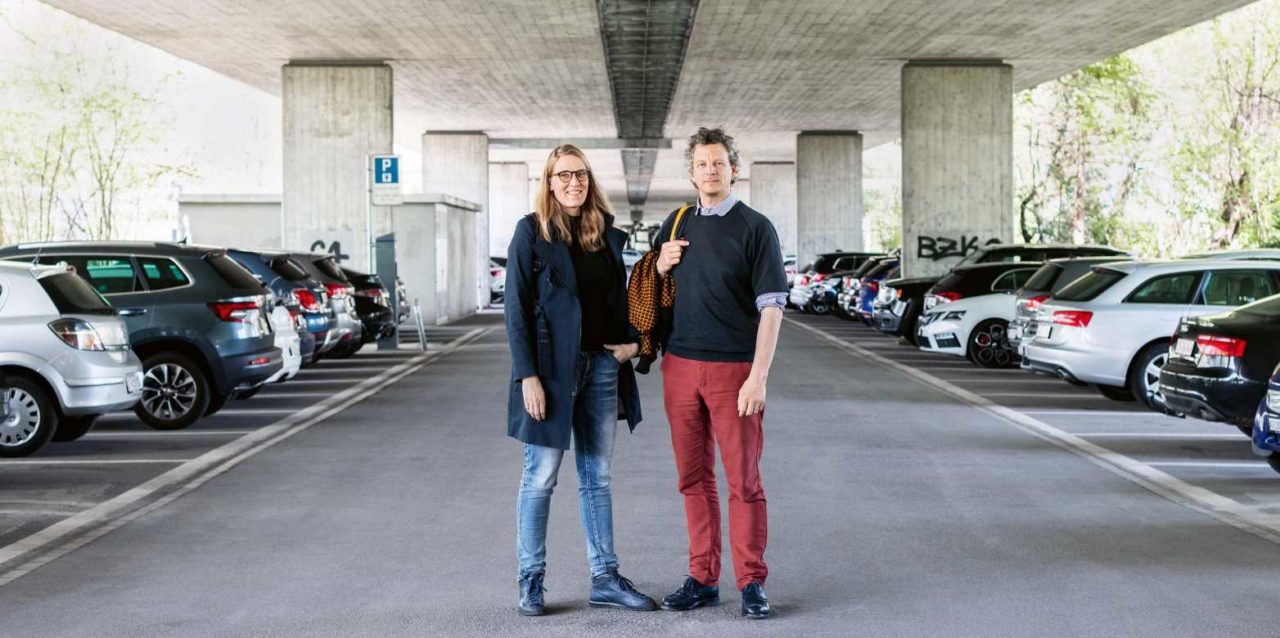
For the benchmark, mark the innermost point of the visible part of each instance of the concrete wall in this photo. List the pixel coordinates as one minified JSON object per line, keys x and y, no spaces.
{"x":241,"y":221}
{"x":435,"y":243}
{"x":828,"y":193}
{"x":457,"y":162}
{"x":508,"y":202}
{"x":957,"y":162}
{"x":335,"y":116}
{"x":773,"y":192}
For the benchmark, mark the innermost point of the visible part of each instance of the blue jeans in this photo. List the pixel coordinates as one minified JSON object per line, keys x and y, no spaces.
{"x":595,"y":421}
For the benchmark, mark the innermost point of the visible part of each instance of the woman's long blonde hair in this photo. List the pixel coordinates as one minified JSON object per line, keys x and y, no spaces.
{"x":591,"y":229}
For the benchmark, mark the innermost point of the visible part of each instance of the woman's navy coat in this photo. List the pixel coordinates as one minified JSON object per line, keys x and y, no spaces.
{"x":544,"y":328}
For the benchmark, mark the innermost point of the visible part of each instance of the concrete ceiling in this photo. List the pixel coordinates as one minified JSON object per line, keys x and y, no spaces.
{"x":765,"y":69}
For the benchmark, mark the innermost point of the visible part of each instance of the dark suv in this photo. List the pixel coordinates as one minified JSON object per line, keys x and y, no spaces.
{"x":196,"y":318}
{"x":304,"y":297}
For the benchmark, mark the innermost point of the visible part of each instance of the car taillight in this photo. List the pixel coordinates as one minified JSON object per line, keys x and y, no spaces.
{"x":897,"y":293}
{"x":306,"y":299}
{"x":1034,"y":302}
{"x":77,"y":334}
{"x":1074,"y":318}
{"x":1214,"y":346}
{"x":338,"y":291}
{"x":494,"y":272}
{"x":237,"y":310}
{"x":947,"y":295}
{"x":873,"y":286}
{"x":369,"y":293}
{"x":819,"y":277}
{"x":848,"y":281}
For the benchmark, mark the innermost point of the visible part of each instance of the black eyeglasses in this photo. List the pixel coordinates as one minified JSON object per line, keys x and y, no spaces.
{"x":565,"y":176}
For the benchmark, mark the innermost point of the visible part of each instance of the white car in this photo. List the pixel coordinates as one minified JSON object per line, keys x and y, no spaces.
{"x":968,"y":312}
{"x":285,"y":328}
{"x":66,"y":357}
{"x":1112,"y":327}
{"x":497,"y":278}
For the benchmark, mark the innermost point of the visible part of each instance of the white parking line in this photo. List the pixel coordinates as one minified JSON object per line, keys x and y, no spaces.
{"x":318,"y":370}
{"x":84,"y":527}
{"x":327,"y":381}
{"x":1096,"y":412}
{"x":1160,"y":435}
{"x":267,"y":394}
{"x":1252,"y":465}
{"x":1192,"y":497}
{"x":6,"y":462}
{"x":164,"y":434}
{"x":1045,"y":395}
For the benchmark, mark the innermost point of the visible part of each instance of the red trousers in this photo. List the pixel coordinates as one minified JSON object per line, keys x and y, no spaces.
{"x":701,"y":400}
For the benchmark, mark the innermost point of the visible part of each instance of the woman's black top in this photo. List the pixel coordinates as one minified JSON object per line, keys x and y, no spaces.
{"x":597,"y":293}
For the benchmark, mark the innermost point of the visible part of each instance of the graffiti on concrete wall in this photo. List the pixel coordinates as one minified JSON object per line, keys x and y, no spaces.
{"x":938,"y":248}
{"x":335,"y":248}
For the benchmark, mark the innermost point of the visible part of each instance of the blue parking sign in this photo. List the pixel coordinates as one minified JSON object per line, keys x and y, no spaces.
{"x":386,"y":169}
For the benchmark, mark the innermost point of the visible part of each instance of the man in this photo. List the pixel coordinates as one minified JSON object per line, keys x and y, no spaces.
{"x":730,"y":291}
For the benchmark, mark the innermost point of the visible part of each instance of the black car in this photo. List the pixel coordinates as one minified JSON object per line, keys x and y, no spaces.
{"x":823,"y":267}
{"x":849,"y":290}
{"x":297,"y":292}
{"x":1219,"y":365}
{"x":907,"y":305}
{"x":197,"y":319}
{"x":373,"y":305}
{"x":346,"y":336}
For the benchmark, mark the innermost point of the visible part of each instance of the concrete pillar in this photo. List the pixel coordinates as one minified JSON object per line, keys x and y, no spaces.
{"x":335,"y":116}
{"x":957,"y":162}
{"x":773,"y":192}
{"x":508,"y":202}
{"x":828,"y":192}
{"x":456,"y":163}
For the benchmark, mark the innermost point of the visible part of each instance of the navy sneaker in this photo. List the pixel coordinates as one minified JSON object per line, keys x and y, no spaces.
{"x":611,"y":589}
{"x":531,"y":603}
{"x":754,"y":603}
{"x":692,"y":595}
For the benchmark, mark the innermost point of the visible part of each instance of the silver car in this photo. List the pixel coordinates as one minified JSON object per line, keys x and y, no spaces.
{"x":65,"y":355}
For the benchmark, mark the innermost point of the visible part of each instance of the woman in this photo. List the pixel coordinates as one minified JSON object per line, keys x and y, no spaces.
{"x":571,"y":346}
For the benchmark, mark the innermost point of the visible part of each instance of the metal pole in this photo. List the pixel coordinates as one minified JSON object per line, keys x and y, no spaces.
{"x":369,"y":245}
{"x":422,"y":330}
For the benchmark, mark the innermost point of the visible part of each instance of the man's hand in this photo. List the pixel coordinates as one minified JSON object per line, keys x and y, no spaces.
{"x":624,"y":351}
{"x":535,"y":400}
{"x":751,"y":397}
{"x":670,"y":255}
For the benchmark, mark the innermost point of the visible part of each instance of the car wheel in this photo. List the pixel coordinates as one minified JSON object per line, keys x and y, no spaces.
{"x":32,"y":419}
{"x":989,"y":345}
{"x":175,"y":392}
{"x":217,"y":401}
{"x":1114,"y":393}
{"x":71,"y":428}
{"x":1144,"y":377}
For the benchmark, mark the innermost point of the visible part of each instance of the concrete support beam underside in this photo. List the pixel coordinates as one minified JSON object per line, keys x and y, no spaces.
{"x":828,"y":192}
{"x":457,"y":163}
{"x":773,"y":192}
{"x":335,"y":116}
{"x":957,"y":162}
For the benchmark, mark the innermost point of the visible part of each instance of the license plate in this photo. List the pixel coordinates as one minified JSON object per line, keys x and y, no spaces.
{"x":1044,"y":330}
{"x":133,"y":382}
{"x":1184,"y":347}
{"x":1015,"y":332}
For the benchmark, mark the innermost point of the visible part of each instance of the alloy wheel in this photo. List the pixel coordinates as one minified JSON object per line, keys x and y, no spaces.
{"x":1151,"y":376}
{"x":168,"y":391}
{"x":24,"y":419}
{"x":993,"y":347}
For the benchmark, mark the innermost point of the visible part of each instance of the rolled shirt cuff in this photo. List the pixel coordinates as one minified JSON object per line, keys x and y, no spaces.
{"x":771,"y":300}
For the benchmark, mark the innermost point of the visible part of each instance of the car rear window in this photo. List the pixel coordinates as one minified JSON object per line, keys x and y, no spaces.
{"x":1237,"y":287}
{"x":286,"y":267}
{"x":1166,"y":289}
{"x":162,"y":273}
{"x":1088,"y":287}
{"x":233,"y":273}
{"x":72,"y":295}
{"x":823,"y":265}
{"x":1044,"y":278}
{"x":330,"y":268}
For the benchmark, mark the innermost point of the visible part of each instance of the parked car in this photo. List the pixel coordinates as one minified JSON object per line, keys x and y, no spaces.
{"x":1219,"y":365}
{"x":1254,"y":254}
{"x":1111,"y":327}
{"x":967,"y":313}
{"x":900,"y":316}
{"x":196,"y":318}
{"x":868,"y":287}
{"x":497,"y":278}
{"x":913,"y":295}
{"x":373,"y":305}
{"x":64,"y":355}
{"x":346,"y":336}
{"x":1053,"y":276}
{"x":1266,"y":424}
{"x":789,"y":267}
{"x":300,"y":297}
{"x":850,"y":293}
{"x":822,"y":267}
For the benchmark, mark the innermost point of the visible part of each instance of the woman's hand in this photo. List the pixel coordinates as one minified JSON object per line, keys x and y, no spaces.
{"x":623,"y":352}
{"x":535,"y":400}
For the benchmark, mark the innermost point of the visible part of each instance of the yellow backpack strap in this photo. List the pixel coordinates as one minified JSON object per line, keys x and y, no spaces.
{"x":679,"y":214}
